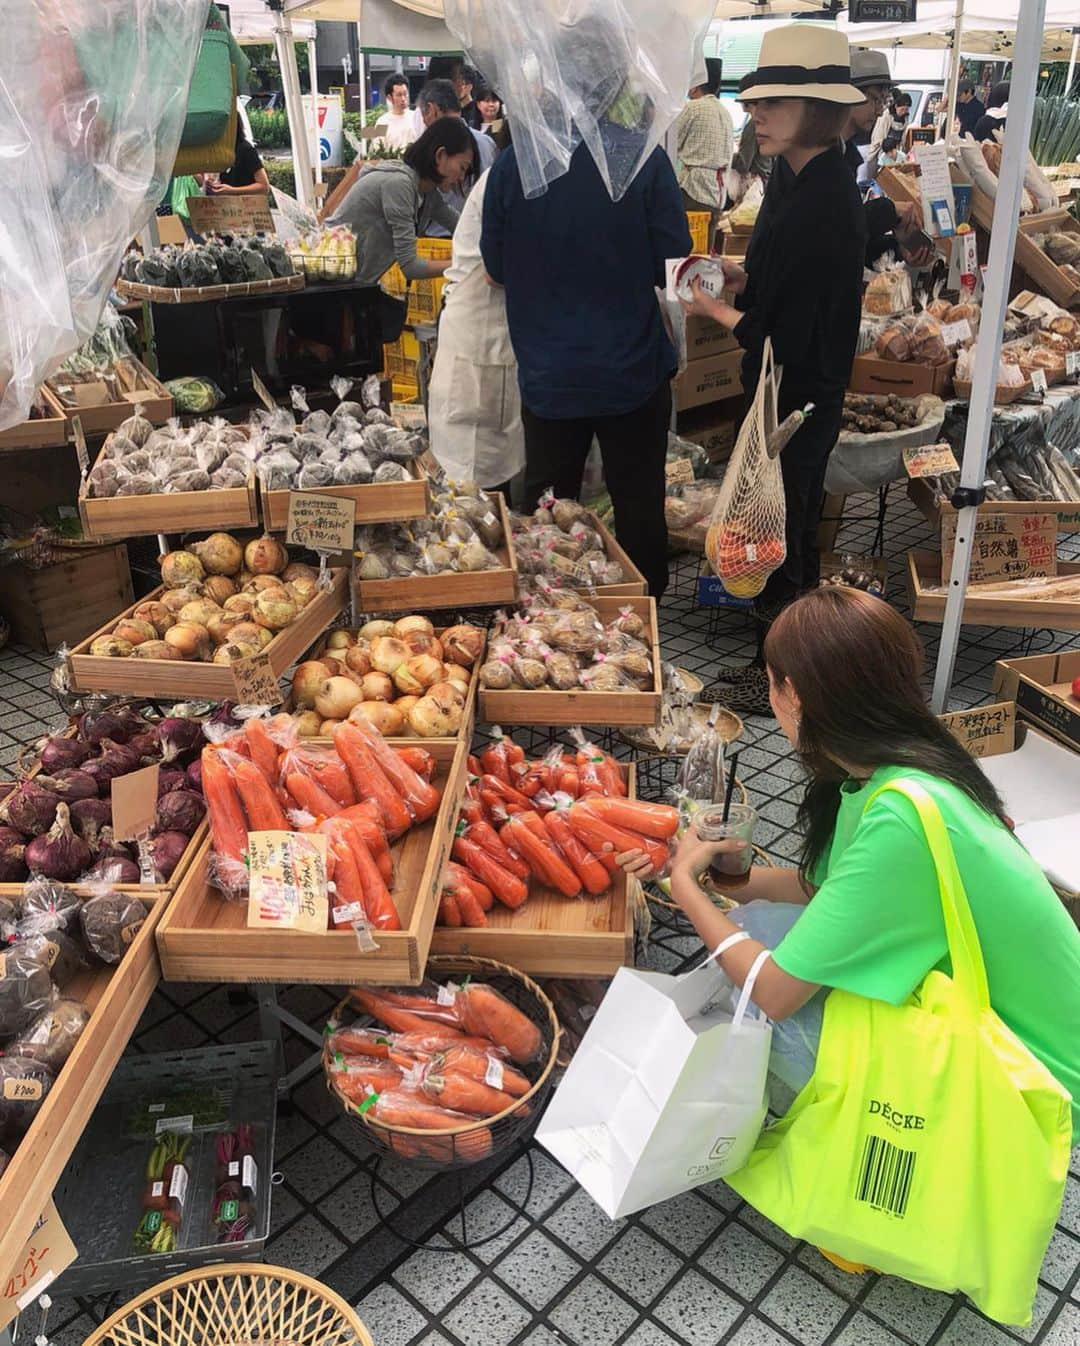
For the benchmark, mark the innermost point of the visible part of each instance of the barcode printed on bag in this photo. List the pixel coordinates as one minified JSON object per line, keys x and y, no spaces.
{"x":885,"y":1176}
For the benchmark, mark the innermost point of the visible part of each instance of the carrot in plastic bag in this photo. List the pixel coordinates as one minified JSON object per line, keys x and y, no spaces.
{"x":482,"y":1065}
{"x":394,"y":1017}
{"x":357,"y":1081}
{"x":598,"y":833}
{"x":421,"y":761}
{"x":462,"y":1093}
{"x":459,"y":874}
{"x":472,"y":765}
{"x":594,"y":877}
{"x":367,"y":818}
{"x":326,"y":769}
{"x":421,"y":799}
{"x":449,"y":912}
{"x":472,"y":912}
{"x":264,"y":812}
{"x":369,"y":780}
{"x":495,"y":758}
{"x":434,"y":1003}
{"x":381,"y":911}
{"x":356,"y":1041}
{"x":437,"y":1038}
{"x":505,"y":792}
{"x":228,"y":825}
{"x":486,"y":1013}
{"x":347,"y":900}
{"x":508,"y":888}
{"x":306,"y":794}
{"x":263,"y":749}
{"x":543,"y":857}
{"x":407,"y":1108}
{"x":489,"y":840}
{"x":660,"y":821}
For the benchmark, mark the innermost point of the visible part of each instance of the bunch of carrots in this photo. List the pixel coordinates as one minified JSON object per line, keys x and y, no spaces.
{"x":362,"y":794}
{"x":447,"y":1058}
{"x":561,"y":821}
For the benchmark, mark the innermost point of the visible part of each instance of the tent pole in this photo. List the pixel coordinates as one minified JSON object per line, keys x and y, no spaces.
{"x":313,"y":71}
{"x":294,"y":108}
{"x":954,"y":69}
{"x":1027,"y":49}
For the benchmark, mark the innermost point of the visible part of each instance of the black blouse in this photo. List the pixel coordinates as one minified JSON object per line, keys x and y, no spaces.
{"x":804,"y":288}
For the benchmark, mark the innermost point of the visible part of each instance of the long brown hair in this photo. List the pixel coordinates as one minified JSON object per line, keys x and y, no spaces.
{"x":855,"y":665}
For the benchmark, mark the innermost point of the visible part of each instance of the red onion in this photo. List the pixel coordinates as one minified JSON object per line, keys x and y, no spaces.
{"x":60,"y":854}
{"x":147,"y":744}
{"x":29,"y":808}
{"x":179,"y":736}
{"x":170,"y":778}
{"x":70,"y":784}
{"x":12,"y":861}
{"x":180,"y":811}
{"x":118,"y":723}
{"x":59,"y":751}
{"x":109,"y":846}
{"x":89,"y":816}
{"x":113,"y":869}
{"x":167,"y":848}
{"x":194,"y":775}
{"x":116,"y":759}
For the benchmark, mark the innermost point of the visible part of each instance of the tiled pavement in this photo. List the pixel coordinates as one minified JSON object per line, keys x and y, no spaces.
{"x":699,"y":1270}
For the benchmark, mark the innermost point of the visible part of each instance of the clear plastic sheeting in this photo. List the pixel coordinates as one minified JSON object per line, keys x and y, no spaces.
{"x":93,"y":95}
{"x":611,"y":73}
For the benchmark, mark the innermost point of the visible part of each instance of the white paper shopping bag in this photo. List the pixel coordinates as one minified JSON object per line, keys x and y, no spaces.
{"x":666,"y":1090}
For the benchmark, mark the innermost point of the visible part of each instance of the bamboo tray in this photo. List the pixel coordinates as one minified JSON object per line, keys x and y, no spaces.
{"x":117,"y":997}
{"x":38,"y":432}
{"x":555,"y":936}
{"x":205,"y":294}
{"x":928,"y":600}
{"x":198,"y":681}
{"x":420,"y":593}
{"x":205,"y":938}
{"x":125,"y":516}
{"x":547,"y":706}
{"x":377,"y":502}
{"x":468,"y":718}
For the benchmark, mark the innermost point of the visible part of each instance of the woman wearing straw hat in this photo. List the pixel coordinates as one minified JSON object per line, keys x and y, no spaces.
{"x":801,"y":287}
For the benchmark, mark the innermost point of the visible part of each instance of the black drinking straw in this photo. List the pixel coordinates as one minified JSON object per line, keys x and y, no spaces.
{"x":730,"y":785}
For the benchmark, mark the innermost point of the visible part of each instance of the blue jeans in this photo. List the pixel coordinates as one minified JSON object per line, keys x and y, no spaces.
{"x":795,"y":1040}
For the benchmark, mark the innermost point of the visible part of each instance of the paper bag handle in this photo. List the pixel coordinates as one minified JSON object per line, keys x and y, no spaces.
{"x":748,"y":987}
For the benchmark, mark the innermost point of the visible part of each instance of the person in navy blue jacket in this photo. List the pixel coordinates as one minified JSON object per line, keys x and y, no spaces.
{"x":593,"y":355}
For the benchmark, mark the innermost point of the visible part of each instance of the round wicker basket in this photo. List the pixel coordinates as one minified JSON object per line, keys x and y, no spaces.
{"x":466,"y":1145}
{"x":238,"y":1304}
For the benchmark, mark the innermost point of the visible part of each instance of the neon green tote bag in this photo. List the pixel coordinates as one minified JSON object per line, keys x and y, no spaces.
{"x":929,"y":1143}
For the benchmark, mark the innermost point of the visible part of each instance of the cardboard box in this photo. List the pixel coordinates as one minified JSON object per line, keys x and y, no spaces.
{"x":1006,"y":546}
{"x":709,"y":380}
{"x":905,"y":378}
{"x":1038,"y":779}
{"x":705,"y":338}
{"x":1041,"y":686}
{"x":713,"y":427}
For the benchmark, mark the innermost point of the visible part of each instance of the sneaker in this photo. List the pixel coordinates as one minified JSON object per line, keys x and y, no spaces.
{"x":725,"y":673}
{"x":751,"y":695}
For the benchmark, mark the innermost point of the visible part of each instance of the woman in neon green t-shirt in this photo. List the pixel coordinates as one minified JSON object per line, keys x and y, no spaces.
{"x":863,"y":911}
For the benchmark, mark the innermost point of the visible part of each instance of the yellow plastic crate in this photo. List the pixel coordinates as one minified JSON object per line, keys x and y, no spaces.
{"x":404,"y":390}
{"x":434,"y":249}
{"x":425,"y":300}
{"x":401,"y":358}
{"x":394,"y":280}
{"x":698,"y":220}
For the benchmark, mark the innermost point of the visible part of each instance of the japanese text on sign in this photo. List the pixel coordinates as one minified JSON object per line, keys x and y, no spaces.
{"x":983,"y":731}
{"x":1006,"y":546}
{"x":255,"y":681}
{"x":930,"y":460}
{"x":321,"y":522}
{"x":287,"y":881}
{"x":46,"y":1253}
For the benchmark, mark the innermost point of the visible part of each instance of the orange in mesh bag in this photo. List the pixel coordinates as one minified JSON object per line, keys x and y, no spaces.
{"x":745,"y":541}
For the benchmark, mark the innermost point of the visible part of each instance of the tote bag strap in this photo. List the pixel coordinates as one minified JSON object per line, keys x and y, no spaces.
{"x":768,"y":389}
{"x":969,"y":970}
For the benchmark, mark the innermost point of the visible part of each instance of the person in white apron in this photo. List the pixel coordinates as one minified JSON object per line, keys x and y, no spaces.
{"x":474,"y":405}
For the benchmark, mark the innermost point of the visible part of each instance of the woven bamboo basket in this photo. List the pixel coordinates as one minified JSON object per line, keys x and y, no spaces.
{"x":462,"y":1146}
{"x":723,"y":902}
{"x":237,"y":1304}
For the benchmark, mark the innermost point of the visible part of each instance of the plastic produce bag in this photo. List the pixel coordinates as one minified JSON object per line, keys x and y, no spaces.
{"x":93,"y":95}
{"x":611,"y":73}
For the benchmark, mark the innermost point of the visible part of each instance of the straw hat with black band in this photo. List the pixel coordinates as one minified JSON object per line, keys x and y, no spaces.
{"x":802,"y":60}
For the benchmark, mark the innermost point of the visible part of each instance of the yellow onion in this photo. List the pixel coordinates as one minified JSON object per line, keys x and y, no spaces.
{"x":307,"y":678}
{"x":404,"y":625}
{"x":172,"y":600}
{"x":154,"y":649}
{"x":199,"y":611}
{"x":387,"y":718}
{"x":370,"y":630}
{"x":377,"y":687}
{"x":191,"y":640}
{"x":157,"y":614}
{"x":462,"y":644}
{"x":430,"y":718}
{"x":218,"y":588}
{"x":357,"y":660}
{"x":265,"y":556}
{"x":233,"y":650}
{"x":447,"y":696}
{"x":422,"y":642}
{"x":340,"y":640}
{"x":221,"y":625}
{"x":327,"y":727}
{"x":336,"y":697}
{"x":405,"y":704}
{"x":135,"y":631}
{"x":307,"y":723}
{"x":181,"y":569}
{"x":239,"y":603}
{"x":426,"y":670}
{"x":274,"y":613}
{"x":334,"y":667}
{"x":258,"y":583}
{"x":220,"y":554}
{"x":297,"y":570}
{"x":388,"y":654}
{"x":111,"y":647}
{"x":301,"y":591}
{"x":406,"y":681}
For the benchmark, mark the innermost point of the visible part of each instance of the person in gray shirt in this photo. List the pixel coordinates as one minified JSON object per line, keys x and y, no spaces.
{"x":437,"y":100}
{"x":392,"y":202}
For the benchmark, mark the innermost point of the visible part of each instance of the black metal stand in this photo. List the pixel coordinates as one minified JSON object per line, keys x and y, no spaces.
{"x":452,"y":1242}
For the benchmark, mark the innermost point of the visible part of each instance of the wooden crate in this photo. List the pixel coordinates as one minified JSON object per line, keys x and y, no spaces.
{"x":1060,"y":283}
{"x":555,"y":936}
{"x":545,"y":706}
{"x":468,"y":719}
{"x":421,"y":593}
{"x":928,"y":600}
{"x":116,"y":997}
{"x":634,"y":584}
{"x":60,"y":603}
{"x":140,"y":388}
{"x":45,"y":427}
{"x":170,"y":512}
{"x":205,"y":294}
{"x":195,"y":681}
{"x":377,"y":502}
{"x":921,"y":494}
{"x":1041,"y":686}
{"x":205,"y":938}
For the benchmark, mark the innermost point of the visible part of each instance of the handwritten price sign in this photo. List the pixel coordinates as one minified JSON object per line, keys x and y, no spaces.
{"x":322,"y":522}
{"x":255,"y":681}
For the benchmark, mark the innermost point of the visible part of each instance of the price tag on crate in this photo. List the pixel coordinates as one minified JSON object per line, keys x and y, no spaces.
{"x":1038,"y":381}
{"x":262,"y":392}
{"x":325,"y":523}
{"x":287,"y":881}
{"x":134,"y":803}
{"x":255,"y":681}
{"x":930,"y":460}
{"x":432,"y":468}
{"x":81,"y":451}
{"x":678,"y":470}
